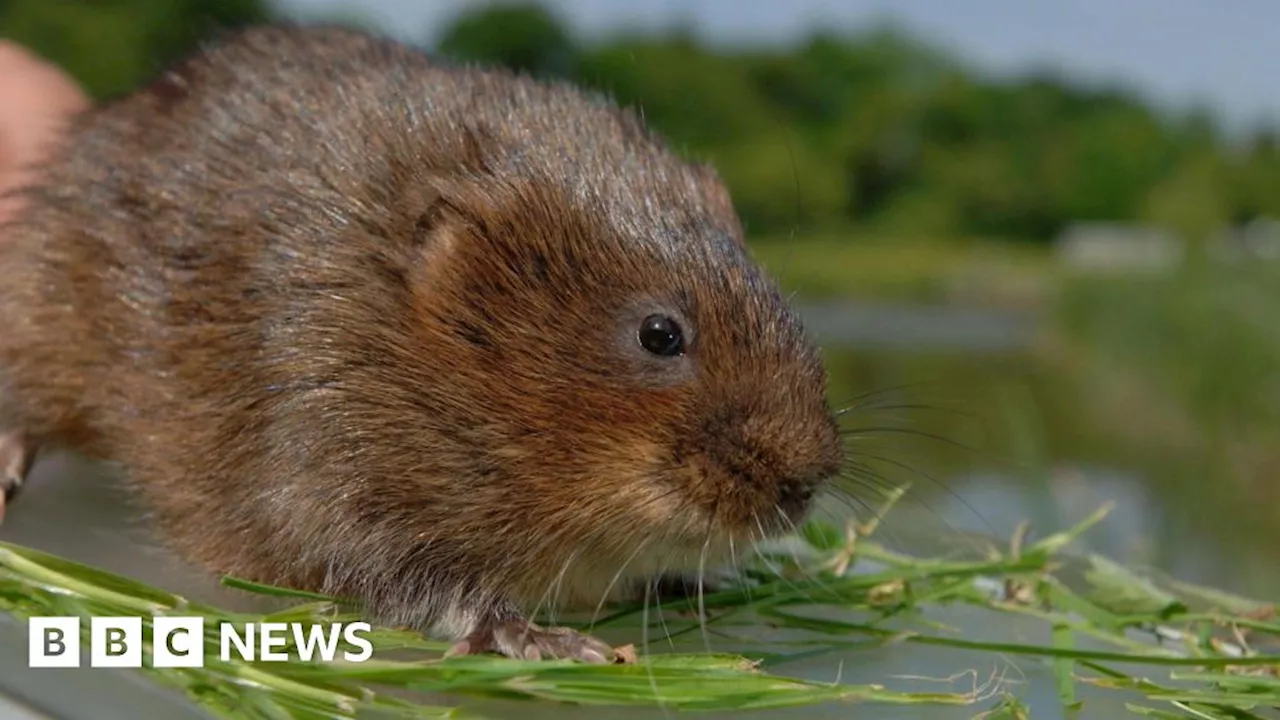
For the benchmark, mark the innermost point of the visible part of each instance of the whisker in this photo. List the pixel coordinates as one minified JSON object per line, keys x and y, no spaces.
{"x":766,"y":560}
{"x":861,"y":475}
{"x":604,"y":596}
{"x":944,"y":487}
{"x":850,"y":501}
{"x":702,"y":572}
{"x":800,"y":565}
{"x":890,"y":429}
{"x":737,"y":567}
{"x":644,"y":642}
{"x":553,"y":589}
{"x":907,"y":406}
{"x":662,"y":616}
{"x":878,"y":392}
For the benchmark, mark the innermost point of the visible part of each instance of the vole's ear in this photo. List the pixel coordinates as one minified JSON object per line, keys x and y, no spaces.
{"x":430,"y":211}
{"x":422,"y":202}
{"x":718,"y":201}
{"x":424,"y":210}
{"x":431,"y":219}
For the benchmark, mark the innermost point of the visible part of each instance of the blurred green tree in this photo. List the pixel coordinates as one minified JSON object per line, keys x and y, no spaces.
{"x":1255,"y":178}
{"x":1192,"y":201}
{"x":521,"y":36}
{"x":871,"y":128}
{"x":701,"y":99}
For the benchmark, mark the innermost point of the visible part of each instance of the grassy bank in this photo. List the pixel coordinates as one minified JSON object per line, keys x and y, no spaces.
{"x":880,"y":267}
{"x":1201,"y":351}
{"x":1175,"y":651}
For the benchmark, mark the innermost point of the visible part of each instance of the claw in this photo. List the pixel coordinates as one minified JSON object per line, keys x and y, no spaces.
{"x":522,"y":640}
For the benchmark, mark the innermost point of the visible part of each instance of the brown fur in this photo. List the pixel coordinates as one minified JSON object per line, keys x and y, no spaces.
{"x":356,"y":322}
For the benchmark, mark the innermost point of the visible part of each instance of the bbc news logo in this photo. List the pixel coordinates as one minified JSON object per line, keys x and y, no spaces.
{"x":179,"y":642}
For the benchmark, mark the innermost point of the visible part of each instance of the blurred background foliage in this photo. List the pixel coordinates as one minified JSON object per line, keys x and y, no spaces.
{"x":112,"y":46}
{"x":870,"y":129}
{"x":874,"y":168}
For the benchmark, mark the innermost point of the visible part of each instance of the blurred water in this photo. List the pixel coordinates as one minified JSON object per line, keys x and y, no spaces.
{"x":74,"y":509}
{"x":899,"y":327}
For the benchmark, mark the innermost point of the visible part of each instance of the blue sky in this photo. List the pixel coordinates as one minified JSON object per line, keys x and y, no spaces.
{"x":1225,"y":54}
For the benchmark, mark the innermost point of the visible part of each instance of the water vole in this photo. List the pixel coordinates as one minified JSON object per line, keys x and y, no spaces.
{"x":452,"y":342}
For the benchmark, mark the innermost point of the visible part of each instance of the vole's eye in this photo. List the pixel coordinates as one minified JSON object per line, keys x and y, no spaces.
{"x":661,"y":335}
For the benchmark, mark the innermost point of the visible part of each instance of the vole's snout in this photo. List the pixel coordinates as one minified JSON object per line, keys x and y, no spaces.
{"x":795,"y":497}
{"x":796,"y":494}
{"x":773,"y":466}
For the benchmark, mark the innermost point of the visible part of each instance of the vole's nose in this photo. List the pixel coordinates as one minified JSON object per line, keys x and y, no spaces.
{"x":809,"y":476}
{"x":795,"y":495}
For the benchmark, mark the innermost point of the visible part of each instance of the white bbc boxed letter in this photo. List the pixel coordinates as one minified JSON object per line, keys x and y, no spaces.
{"x":178,"y":642}
{"x":53,"y":642}
{"x":115,"y":642}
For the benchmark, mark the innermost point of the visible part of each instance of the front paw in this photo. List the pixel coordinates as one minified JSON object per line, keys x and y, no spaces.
{"x":522,"y":640}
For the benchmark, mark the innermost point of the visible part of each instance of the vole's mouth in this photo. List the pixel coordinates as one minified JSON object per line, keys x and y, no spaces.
{"x":795,"y":500}
{"x":795,"y":505}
